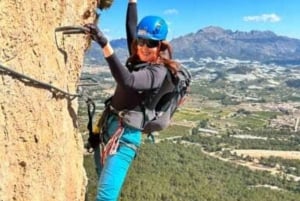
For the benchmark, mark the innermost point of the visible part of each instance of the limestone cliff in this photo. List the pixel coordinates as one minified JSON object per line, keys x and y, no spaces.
{"x":40,"y":147}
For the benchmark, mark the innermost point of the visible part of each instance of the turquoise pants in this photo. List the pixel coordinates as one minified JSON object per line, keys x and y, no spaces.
{"x":112,"y":175}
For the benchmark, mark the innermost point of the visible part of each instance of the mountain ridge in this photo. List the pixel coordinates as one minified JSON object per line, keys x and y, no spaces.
{"x":214,"y":42}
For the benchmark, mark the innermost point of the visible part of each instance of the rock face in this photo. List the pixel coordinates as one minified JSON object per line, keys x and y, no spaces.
{"x":40,"y":147}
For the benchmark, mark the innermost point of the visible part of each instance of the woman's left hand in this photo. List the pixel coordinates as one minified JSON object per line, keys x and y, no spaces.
{"x":96,"y":34}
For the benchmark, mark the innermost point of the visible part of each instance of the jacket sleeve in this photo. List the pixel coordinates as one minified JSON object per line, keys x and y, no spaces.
{"x":145,"y":79}
{"x":131,"y":23}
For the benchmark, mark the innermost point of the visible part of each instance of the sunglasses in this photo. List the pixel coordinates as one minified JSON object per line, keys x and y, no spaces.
{"x":148,"y":42}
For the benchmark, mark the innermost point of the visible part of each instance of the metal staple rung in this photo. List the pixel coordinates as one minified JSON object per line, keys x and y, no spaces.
{"x":72,"y":29}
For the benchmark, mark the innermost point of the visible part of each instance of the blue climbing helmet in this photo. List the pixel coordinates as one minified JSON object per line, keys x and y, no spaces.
{"x":152,"y":27}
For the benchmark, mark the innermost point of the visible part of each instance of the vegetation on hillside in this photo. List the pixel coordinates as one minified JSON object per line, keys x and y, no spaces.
{"x":168,"y":171}
{"x":199,"y":162}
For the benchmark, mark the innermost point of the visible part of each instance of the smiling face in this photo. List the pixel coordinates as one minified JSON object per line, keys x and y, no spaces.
{"x":147,"y":50}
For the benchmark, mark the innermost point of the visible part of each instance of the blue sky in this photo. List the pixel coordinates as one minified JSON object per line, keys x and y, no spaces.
{"x":188,"y":16}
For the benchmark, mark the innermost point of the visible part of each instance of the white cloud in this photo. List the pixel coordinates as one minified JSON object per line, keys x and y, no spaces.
{"x":263,"y":18}
{"x":106,"y":30}
{"x":171,"y":11}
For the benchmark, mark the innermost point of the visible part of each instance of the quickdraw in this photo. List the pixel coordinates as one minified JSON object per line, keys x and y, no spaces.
{"x":112,"y":145}
{"x":93,"y":140}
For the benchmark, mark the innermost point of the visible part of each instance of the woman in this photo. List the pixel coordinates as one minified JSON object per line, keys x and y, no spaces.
{"x":145,"y":71}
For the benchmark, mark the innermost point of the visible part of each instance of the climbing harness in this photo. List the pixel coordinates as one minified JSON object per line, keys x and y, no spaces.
{"x":26,"y":79}
{"x":98,"y":132}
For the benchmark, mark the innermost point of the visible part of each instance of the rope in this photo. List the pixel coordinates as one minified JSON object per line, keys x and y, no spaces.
{"x":27,"y":79}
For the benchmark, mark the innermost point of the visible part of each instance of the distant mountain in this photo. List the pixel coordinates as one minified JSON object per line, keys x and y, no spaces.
{"x":214,"y":42}
{"x":263,"y":46}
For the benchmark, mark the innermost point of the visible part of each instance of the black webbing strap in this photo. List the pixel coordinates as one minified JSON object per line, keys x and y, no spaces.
{"x":91,"y":107}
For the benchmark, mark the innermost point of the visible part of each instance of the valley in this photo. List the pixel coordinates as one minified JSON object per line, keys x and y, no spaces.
{"x":239,"y":112}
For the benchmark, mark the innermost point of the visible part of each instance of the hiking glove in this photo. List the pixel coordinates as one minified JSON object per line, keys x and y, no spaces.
{"x":96,"y":34}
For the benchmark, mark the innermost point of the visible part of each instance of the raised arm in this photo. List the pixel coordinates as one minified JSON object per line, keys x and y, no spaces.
{"x":131,"y":22}
{"x":145,"y":79}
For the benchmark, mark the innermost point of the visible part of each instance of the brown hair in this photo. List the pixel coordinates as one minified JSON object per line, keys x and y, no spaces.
{"x":165,"y":56}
